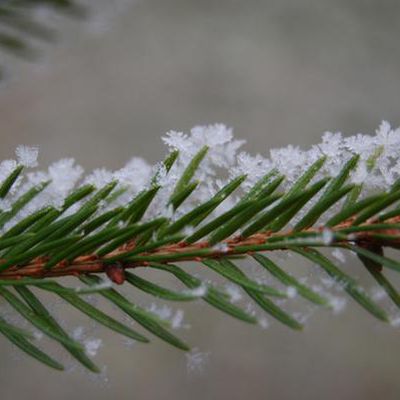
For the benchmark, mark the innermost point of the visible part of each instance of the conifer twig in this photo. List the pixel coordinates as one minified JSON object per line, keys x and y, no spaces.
{"x":342,"y":195}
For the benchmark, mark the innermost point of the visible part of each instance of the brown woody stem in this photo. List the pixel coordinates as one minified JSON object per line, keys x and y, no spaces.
{"x":238,"y":245}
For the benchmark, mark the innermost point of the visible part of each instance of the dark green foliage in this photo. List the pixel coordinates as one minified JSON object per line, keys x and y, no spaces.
{"x":212,"y":295}
{"x":40,"y":310}
{"x":189,"y":172}
{"x":349,"y":284}
{"x":290,"y":281}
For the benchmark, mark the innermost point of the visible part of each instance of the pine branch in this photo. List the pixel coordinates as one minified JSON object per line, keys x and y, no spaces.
{"x":341,"y":195}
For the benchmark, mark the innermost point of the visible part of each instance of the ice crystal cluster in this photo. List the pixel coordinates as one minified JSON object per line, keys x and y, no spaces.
{"x":378,"y":168}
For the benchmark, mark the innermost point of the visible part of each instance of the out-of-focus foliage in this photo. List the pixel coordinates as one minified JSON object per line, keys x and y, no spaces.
{"x":24,"y":22}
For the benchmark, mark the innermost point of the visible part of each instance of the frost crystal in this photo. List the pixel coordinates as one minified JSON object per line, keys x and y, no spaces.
{"x":327,"y":236}
{"x":233,"y":292}
{"x":104,"y":284}
{"x":196,"y":361}
{"x":92,"y":346}
{"x":253,"y":167}
{"x":378,"y":293}
{"x":99,"y":177}
{"x":291,"y":292}
{"x":395,"y":321}
{"x":337,"y":303}
{"x":5,"y":205}
{"x":263,"y":322}
{"x":219,"y":139}
{"x":176,"y":318}
{"x":27,"y":156}
{"x":200,"y":291}
{"x":222,"y":247}
{"x":339,"y":255}
{"x":38,"y":335}
{"x":78,"y":332}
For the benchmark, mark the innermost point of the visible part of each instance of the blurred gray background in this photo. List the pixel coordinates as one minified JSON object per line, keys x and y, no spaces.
{"x":279,"y":72}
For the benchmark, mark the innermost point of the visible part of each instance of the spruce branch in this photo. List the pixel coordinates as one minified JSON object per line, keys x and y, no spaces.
{"x":372,"y":236}
{"x":206,"y":204}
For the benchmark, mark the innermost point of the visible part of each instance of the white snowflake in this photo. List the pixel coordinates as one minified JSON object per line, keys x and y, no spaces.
{"x":27,"y":156}
{"x":233,"y":292}
{"x":338,"y":304}
{"x":92,"y":346}
{"x":196,"y":360}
